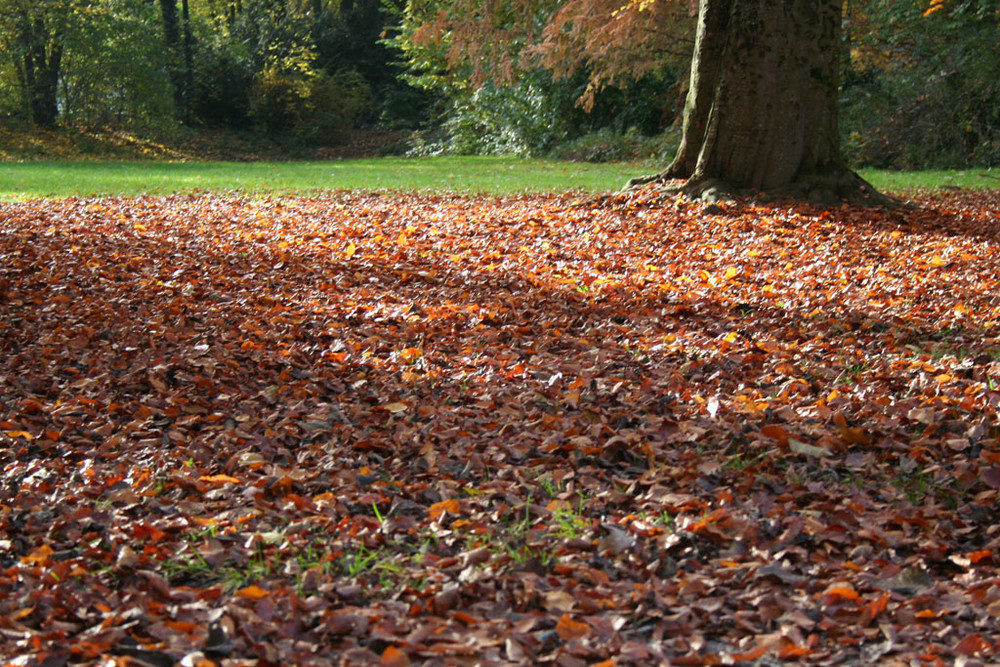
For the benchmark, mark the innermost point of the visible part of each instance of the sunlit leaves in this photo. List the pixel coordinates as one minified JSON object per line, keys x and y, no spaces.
{"x":421,"y":428}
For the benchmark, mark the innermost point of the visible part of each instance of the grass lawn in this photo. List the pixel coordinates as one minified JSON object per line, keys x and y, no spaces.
{"x":471,"y":175}
{"x":490,"y":175}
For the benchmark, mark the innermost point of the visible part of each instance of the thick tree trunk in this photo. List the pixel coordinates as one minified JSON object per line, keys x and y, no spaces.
{"x":39,"y":68}
{"x":761,"y":112}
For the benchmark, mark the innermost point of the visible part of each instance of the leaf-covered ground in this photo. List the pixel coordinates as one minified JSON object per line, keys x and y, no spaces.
{"x":430,"y":429}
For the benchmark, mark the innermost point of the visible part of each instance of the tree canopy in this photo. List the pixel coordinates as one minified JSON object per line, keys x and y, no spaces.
{"x":589,"y":79}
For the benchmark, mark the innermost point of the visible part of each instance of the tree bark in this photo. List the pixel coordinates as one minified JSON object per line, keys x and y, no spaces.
{"x":188,"y":85}
{"x":38,"y":69}
{"x":172,"y":40}
{"x":761,"y":111}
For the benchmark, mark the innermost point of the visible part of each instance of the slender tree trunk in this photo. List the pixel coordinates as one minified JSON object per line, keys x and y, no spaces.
{"x":188,"y":87}
{"x":172,"y":41}
{"x":761,"y":112}
{"x":171,"y":26}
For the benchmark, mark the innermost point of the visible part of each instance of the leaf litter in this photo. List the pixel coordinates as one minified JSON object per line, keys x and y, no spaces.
{"x":432,"y":429}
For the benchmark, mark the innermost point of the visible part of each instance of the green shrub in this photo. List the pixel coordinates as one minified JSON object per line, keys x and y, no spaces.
{"x":279,"y":102}
{"x":922,"y":91}
{"x":335,"y":104}
{"x":498,"y":120}
{"x":606,"y":145}
{"x":223,"y":85}
{"x":311,"y":107}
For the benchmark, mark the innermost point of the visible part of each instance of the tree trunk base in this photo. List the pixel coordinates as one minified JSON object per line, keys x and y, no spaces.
{"x":829,"y":189}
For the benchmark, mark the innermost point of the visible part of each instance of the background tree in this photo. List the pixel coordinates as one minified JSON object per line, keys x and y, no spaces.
{"x":78,"y":61}
{"x":32,"y":35}
{"x":100,"y":85}
{"x":527,"y":75}
{"x":920,"y":85}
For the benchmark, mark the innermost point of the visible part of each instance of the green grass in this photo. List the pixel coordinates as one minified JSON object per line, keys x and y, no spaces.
{"x":471,"y":175}
{"x":489,"y":175}
{"x":902,"y":181}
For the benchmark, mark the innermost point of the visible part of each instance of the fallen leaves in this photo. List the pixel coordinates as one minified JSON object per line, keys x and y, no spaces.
{"x":434,"y":429}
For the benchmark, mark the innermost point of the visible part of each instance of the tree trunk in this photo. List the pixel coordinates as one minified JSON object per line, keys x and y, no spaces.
{"x":188,"y":87}
{"x":761,"y":111}
{"x":172,"y":40}
{"x":38,"y":70}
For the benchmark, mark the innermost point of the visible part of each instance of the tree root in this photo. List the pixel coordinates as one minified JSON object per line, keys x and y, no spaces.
{"x":839,"y":186}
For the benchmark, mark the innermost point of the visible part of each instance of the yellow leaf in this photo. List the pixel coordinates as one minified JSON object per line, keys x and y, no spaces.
{"x":936,"y":260}
{"x":20,"y":434}
{"x":350,"y":250}
{"x":731,"y":272}
{"x":21,"y":613}
{"x":411,"y":354}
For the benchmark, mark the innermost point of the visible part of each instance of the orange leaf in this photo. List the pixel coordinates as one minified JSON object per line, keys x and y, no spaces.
{"x":451,"y":506}
{"x":775,"y":432}
{"x":974,"y":645}
{"x":205,"y":522}
{"x":39,"y":556}
{"x":187,"y":627}
{"x":393,"y":657}
{"x":464,"y":618}
{"x":218,"y":479}
{"x":878,"y":605}
{"x":750,"y":655}
{"x":793,"y":651}
{"x":252,"y":592}
{"x":840,"y":590}
{"x":977,"y":556}
{"x":568,"y":629}
{"x":855,"y":435}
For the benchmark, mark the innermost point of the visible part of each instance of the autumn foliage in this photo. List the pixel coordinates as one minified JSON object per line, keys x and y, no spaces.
{"x":364,"y":428}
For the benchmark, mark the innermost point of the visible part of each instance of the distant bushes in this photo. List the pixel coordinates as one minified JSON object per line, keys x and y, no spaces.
{"x":923,"y":90}
{"x":317,"y":107}
{"x":608,"y":145}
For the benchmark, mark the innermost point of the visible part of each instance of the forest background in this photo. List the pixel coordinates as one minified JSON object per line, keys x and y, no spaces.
{"x":556,"y":78}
